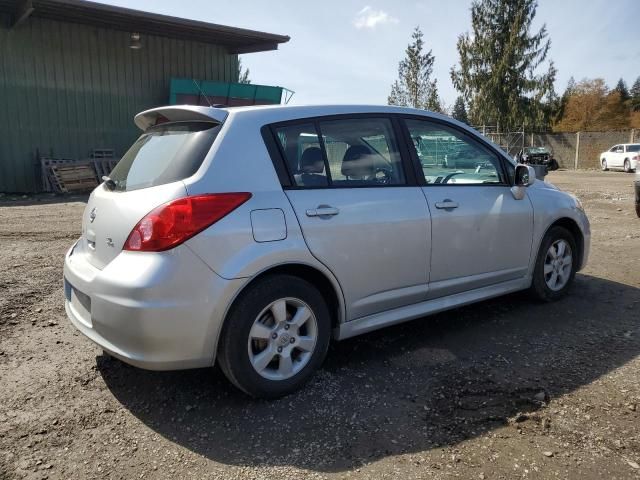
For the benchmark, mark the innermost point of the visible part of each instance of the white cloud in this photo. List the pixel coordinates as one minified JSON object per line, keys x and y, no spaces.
{"x":370,"y":18}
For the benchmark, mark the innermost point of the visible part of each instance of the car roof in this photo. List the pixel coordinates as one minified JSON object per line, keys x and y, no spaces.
{"x":272,"y":113}
{"x":275,"y":113}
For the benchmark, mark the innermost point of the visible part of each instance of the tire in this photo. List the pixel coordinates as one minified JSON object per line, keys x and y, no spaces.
{"x":247,"y":337}
{"x":553,"y":165}
{"x":604,"y":165}
{"x":541,"y":285}
{"x":627,"y":166}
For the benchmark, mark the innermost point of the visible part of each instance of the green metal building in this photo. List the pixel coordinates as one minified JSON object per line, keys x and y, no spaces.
{"x":74,"y":73}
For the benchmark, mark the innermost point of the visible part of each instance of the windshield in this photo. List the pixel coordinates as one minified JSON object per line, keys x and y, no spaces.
{"x":535,"y":150}
{"x":164,"y":154}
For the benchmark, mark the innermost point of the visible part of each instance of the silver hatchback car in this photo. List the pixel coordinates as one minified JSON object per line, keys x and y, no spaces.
{"x":251,"y":236}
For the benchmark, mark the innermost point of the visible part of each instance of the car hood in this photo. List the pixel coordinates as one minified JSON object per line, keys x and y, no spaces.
{"x":544,"y":184}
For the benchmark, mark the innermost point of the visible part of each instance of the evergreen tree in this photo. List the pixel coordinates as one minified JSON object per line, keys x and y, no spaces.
{"x":243,"y":73}
{"x":561,"y":104}
{"x":414,"y":87}
{"x":500,"y":64}
{"x":459,"y":111}
{"x":635,"y":95}
{"x":621,"y":88}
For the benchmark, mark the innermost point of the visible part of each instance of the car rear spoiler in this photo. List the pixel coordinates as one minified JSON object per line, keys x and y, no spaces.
{"x":179,"y":113}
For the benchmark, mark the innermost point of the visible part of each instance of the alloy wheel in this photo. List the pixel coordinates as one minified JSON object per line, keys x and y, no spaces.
{"x":557,"y":265}
{"x":282,"y":339}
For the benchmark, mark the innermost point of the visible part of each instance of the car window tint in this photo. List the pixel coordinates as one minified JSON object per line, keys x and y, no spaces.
{"x":303,"y":155}
{"x":362,"y":152}
{"x":163,"y":154}
{"x":448,"y":156}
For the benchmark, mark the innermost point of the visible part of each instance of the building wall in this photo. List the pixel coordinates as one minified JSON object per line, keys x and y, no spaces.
{"x":68,"y":88}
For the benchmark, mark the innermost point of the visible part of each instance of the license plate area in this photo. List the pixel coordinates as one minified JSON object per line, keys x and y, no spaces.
{"x":79,"y":302}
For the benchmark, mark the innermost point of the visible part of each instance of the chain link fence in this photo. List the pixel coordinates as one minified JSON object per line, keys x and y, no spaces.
{"x":571,"y":150}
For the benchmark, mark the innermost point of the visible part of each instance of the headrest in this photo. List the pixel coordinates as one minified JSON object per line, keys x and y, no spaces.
{"x":358,"y":162}
{"x":311,"y":161}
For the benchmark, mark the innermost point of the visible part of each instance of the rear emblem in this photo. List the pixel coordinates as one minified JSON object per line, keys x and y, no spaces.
{"x":92,"y":214}
{"x":109,"y":242}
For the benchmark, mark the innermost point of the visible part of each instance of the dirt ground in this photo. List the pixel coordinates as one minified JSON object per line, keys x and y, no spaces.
{"x":503,"y":389}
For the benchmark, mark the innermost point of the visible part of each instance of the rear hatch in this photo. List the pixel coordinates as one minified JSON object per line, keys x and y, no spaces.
{"x":172,"y":148}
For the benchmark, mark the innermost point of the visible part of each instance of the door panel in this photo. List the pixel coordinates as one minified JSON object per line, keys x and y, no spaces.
{"x":375,"y":241}
{"x":481,"y":235}
{"x":486,"y":239}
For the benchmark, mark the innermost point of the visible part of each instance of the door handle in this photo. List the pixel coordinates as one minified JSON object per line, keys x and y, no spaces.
{"x":322,"y":211}
{"x":447,"y":204}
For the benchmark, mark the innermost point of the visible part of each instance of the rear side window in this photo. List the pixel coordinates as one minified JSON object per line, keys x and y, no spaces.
{"x":163,"y":154}
{"x":302,"y":152}
{"x":350,"y":152}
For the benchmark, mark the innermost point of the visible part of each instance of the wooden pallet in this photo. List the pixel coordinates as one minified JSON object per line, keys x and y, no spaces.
{"x":103,"y":166}
{"x":49,"y":182}
{"x":78,"y":177}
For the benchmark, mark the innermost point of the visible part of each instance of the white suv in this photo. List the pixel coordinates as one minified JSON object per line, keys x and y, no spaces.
{"x":251,"y":236}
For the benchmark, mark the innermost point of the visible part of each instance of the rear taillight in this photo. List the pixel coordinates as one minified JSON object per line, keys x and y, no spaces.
{"x":175,"y":222}
{"x":637,"y":157}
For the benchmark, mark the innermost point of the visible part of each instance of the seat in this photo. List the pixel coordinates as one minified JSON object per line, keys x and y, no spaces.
{"x":358,"y":163}
{"x":311,"y":169}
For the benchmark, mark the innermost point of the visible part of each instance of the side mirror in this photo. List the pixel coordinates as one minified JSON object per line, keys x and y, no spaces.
{"x":525,"y":175}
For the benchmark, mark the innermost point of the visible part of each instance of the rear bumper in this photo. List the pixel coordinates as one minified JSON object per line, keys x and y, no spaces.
{"x":159,"y":311}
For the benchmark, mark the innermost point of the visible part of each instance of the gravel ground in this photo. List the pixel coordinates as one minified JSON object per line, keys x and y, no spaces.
{"x":503,"y":389}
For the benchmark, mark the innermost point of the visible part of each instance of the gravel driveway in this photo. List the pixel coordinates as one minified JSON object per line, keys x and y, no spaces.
{"x":503,"y":389}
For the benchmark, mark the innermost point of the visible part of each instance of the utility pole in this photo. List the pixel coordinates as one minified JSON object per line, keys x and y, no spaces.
{"x":575,"y":165}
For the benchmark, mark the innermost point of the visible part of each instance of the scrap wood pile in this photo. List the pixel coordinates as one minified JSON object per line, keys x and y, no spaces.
{"x":63,"y":175}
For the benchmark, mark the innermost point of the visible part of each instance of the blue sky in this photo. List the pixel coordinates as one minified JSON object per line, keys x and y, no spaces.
{"x":348,"y":51}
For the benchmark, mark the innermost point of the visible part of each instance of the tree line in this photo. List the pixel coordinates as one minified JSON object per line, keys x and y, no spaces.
{"x":505,"y":78}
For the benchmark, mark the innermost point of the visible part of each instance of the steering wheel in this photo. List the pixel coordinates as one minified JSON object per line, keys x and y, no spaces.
{"x":448,"y":177}
{"x":383,"y":175}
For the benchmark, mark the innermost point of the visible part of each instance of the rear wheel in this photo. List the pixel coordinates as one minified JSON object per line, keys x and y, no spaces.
{"x":627,"y":166}
{"x":275,"y":336}
{"x":556,"y":265}
{"x":604,"y":165}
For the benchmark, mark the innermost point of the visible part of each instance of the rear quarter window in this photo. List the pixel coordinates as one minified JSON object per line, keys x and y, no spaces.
{"x":163,"y":154}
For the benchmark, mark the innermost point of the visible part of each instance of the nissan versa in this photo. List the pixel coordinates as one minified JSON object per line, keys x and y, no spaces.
{"x":250,"y":236}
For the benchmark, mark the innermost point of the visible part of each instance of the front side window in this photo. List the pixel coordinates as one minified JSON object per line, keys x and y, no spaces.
{"x":448,"y":156}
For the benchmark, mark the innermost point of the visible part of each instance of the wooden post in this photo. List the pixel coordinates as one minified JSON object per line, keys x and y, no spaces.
{"x":575,"y":166}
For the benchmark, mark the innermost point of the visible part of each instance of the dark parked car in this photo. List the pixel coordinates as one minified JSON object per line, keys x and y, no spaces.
{"x":537,"y":156}
{"x":637,"y":188}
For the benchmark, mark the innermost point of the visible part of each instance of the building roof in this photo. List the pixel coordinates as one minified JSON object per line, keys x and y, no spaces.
{"x":237,"y":40}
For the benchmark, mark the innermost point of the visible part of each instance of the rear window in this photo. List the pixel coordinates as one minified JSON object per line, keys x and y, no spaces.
{"x":163,"y":154}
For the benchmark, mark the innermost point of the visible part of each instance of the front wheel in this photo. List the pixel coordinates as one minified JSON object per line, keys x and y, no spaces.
{"x":604,"y":165}
{"x":556,"y":265}
{"x":275,"y":337}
